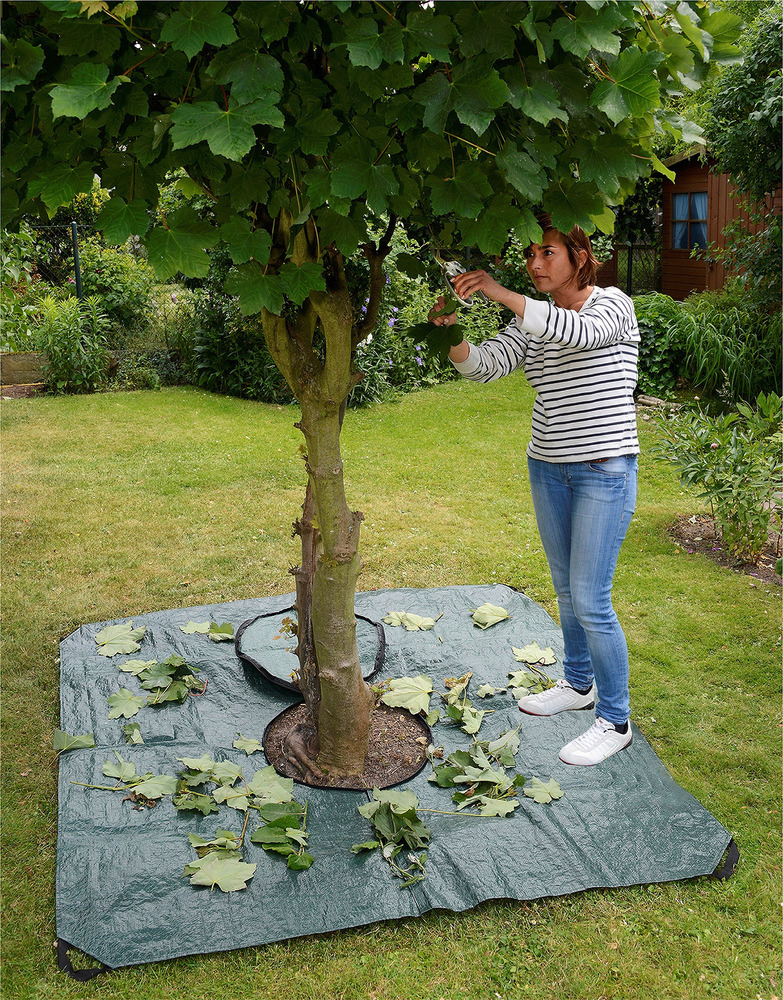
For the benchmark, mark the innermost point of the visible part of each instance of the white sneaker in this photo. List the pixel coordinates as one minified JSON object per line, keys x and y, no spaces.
{"x":599,"y":742}
{"x":561,"y":698}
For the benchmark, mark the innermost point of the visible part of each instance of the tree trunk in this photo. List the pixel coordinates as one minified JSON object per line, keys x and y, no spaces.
{"x":344,"y":700}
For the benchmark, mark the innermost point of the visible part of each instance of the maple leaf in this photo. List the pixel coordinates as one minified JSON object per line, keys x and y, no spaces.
{"x":412,"y":693}
{"x":124,"y":703}
{"x":116,"y":639}
{"x":533,"y":653}
{"x":543,"y":791}
{"x":248,"y":745}
{"x":64,"y":741}
{"x":489,"y":614}
{"x":228,"y":874}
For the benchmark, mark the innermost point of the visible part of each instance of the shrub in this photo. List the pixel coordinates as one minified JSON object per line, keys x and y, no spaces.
{"x":122,"y":284}
{"x":734,"y":459}
{"x":72,"y":332}
{"x":660,"y":350}
{"x":16,"y":307}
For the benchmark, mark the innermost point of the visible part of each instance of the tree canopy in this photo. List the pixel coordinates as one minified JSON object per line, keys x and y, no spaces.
{"x":462,"y":115}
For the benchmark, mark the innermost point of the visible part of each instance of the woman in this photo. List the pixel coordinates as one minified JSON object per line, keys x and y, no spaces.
{"x":580,"y":354}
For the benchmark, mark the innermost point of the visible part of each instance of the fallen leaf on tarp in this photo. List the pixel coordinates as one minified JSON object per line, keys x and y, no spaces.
{"x":533,"y":653}
{"x":156,"y":786}
{"x":228,"y":874}
{"x":412,"y":693}
{"x":64,"y":741}
{"x":124,"y":704}
{"x":409,"y":621}
{"x":116,"y":639}
{"x":221,"y":633}
{"x":135,"y":667}
{"x":489,"y":614}
{"x":132,"y":733}
{"x":487,"y":691}
{"x":248,"y":745}
{"x":543,"y":791}
{"x":268,"y":786}
{"x":193,"y":628}
{"x":123,"y":770}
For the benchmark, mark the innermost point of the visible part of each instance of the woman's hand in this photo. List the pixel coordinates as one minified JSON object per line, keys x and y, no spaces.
{"x":478,"y":281}
{"x":441,"y":320}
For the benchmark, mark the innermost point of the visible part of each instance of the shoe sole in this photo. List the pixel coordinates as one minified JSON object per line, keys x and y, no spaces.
{"x":546,"y":715}
{"x":572,"y":763}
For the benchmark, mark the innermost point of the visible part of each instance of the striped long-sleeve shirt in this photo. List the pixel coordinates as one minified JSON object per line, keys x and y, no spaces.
{"x":583,"y":365}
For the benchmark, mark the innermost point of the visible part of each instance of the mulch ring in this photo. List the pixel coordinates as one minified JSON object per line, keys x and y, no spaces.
{"x":697,"y":533}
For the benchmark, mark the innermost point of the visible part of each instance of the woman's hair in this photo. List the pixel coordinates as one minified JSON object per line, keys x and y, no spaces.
{"x":574,"y":242}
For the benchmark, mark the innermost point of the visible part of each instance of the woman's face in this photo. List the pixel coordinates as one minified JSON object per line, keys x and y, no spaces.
{"x":548,"y":263}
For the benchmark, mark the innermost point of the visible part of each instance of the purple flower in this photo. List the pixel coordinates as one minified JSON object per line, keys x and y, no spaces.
{"x":364,"y":309}
{"x":395,"y":309}
{"x":388,"y":280}
{"x":418,"y":347}
{"x":173,"y":296}
{"x":419,"y":361}
{"x":391,"y":322}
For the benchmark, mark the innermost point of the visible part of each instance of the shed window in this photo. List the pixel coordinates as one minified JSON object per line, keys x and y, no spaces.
{"x":689,"y":220}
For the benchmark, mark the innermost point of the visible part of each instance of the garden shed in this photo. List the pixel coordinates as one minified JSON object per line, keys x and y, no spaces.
{"x":696,"y":208}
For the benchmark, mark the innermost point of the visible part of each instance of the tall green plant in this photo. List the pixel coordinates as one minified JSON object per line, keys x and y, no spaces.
{"x":72,"y":333}
{"x":734,"y":461}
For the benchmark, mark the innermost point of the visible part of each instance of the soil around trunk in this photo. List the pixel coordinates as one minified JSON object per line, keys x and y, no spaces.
{"x":697,"y":533}
{"x":398,"y":749}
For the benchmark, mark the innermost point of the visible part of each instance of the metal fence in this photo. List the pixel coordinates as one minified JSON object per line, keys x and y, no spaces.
{"x":56,"y":253}
{"x":634,"y":267}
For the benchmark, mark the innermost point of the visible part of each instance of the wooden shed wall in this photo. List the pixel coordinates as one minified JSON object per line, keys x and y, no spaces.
{"x":682,"y":274}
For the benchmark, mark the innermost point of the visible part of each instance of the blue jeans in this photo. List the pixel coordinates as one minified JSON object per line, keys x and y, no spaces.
{"x":583,"y":510}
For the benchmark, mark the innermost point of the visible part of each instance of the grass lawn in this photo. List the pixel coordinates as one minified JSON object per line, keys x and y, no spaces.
{"x":118,"y":504}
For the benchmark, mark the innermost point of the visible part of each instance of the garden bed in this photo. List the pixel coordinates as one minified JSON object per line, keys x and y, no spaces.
{"x":696,"y":533}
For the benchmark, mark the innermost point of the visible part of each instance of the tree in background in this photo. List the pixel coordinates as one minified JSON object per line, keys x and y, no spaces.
{"x":743,"y":128}
{"x":307,"y":124}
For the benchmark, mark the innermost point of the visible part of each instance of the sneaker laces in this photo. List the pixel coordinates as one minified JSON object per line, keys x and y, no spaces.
{"x":594,"y":734}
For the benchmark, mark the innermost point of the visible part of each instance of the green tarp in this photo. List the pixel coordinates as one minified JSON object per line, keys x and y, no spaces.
{"x":120,"y":892}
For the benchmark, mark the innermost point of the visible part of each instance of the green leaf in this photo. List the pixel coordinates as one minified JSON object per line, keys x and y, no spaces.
{"x":116,"y":639}
{"x":245,"y":244}
{"x":541,"y":791}
{"x":438,"y":339}
{"x":632,"y":88}
{"x":86,"y":91}
{"x":367,"y":845}
{"x":497,"y":807}
{"x":429,"y":34}
{"x":65,"y":741}
{"x":195,"y":25}
{"x":573,"y":205}
{"x":132,"y":733}
{"x":21,"y":63}
{"x":412,"y":693}
{"x":268,"y":786}
{"x":228,"y":874}
{"x":156,"y":786}
{"x":590,"y":30}
{"x":221,"y":633}
{"x":345,"y":233}
{"x":255,"y":290}
{"x":59,"y":184}
{"x":124,"y":704}
{"x":233,"y":797}
{"x":490,"y":231}
{"x":465,"y":193}
{"x":536,"y":98}
{"x":411,"y":266}
{"x":227,"y":131}
{"x":181,"y":246}
{"x":533,"y":653}
{"x":204,"y":763}
{"x":226,"y":772}
{"x":118,"y":220}
{"x":409,"y":621}
{"x":477,"y":93}
{"x":400,"y":800}
{"x":123,"y":770}
{"x":190,"y":801}
{"x":488,"y":691}
{"x":252,"y":74}
{"x":298,"y":281}
{"x":722,"y":27}
{"x":521,"y":171}
{"x":300,"y":862}
{"x":362,"y":178}
{"x":489,"y":614}
{"x":193,"y":628}
{"x":248,"y":745}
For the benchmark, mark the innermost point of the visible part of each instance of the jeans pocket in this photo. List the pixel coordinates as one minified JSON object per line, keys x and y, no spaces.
{"x":617,"y":466}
